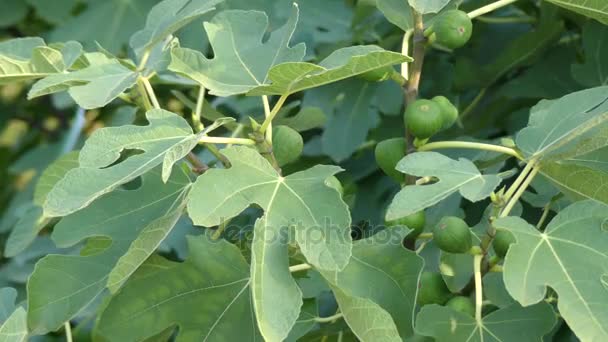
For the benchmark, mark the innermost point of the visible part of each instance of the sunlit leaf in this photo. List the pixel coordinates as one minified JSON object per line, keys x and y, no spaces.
{"x":454,"y":176}
{"x":289,"y":78}
{"x":92,"y":87}
{"x":241,"y":59}
{"x":166,"y":139}
{"x":300,"y":201}
{"x":23,"y":59}
{"x":570,"y":256}
{"x":555,"y":127}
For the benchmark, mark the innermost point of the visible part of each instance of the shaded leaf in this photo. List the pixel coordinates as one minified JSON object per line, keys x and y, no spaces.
{"x":547,"y":80}
{"x":376,"y":292}
{"x":596,"y":9}
{"x":347,"y":127}
{"x":570,"y":256}
{"x":127,"y":17}
{"x":167,"y":17}
{"x":593,"y":72}
{"x":306,"y":119}
{"x":242,"y":60}
{"x":454,"y":176}
{"x":11,"y":12}
{"x":179,"y":294}
{"x":13,"y":323}
{"x":513,"y":323}
{"x":577,"y":181}
{"x":289,"y":78}
{"x":33,"y":221}
{"x":112,"y":224}
{"x":428,"y":6}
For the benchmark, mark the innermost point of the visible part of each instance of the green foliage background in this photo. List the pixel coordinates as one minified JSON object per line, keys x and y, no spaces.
{"x":111,"y":226}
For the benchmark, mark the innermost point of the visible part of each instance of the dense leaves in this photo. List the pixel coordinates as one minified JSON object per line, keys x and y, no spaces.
{"x":264,"y":170}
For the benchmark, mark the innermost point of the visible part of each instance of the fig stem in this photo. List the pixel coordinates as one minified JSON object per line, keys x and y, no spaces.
{"x":224,"y":140}
{"x":68,"y":331}
{"x":150,"y":91}
{"x":489,"y":8}
{"x":300,"y":267}
{"x":470,"y":145}
{"x":196,"y":114}
{"x":270,"y":116}
{"x":505,"y":212}
{"x":478,"y":288}
{"x":329,"y":319}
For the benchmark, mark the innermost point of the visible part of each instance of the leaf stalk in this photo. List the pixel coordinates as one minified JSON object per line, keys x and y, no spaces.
{"x":470,"y":145}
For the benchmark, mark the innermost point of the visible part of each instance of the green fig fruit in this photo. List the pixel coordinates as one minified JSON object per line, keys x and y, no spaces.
{"x":432,"y":289}
{"x":415,"y":222}
{"x":502,"y":241}
{"x":453,"y":235}
{"x":388,"y":153}
{"x":287,"y":144}
{"x":423,"y":118}
{"x":462,"y":304}
{"x":448,"y":111}
{"x":453,"y":29}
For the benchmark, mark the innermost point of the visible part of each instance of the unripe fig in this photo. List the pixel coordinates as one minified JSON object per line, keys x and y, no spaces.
{"x":462,"y":304}
{"x":378,"y":75}
{"x":501,"y":242}
{"x":453,"y":29}
{"x":432,"y":289}
{"x":448,"y":111}
{"x":423,"y":118}
{"x":287,"y":144}
{"x":453,"y":235}
{"x":333,"y":182}
{"x":388,"y":153}
{"x":415,"y":222}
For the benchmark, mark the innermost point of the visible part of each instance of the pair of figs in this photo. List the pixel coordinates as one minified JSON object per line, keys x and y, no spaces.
{"x":453,"y":235}
{"x":433,"y":290}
